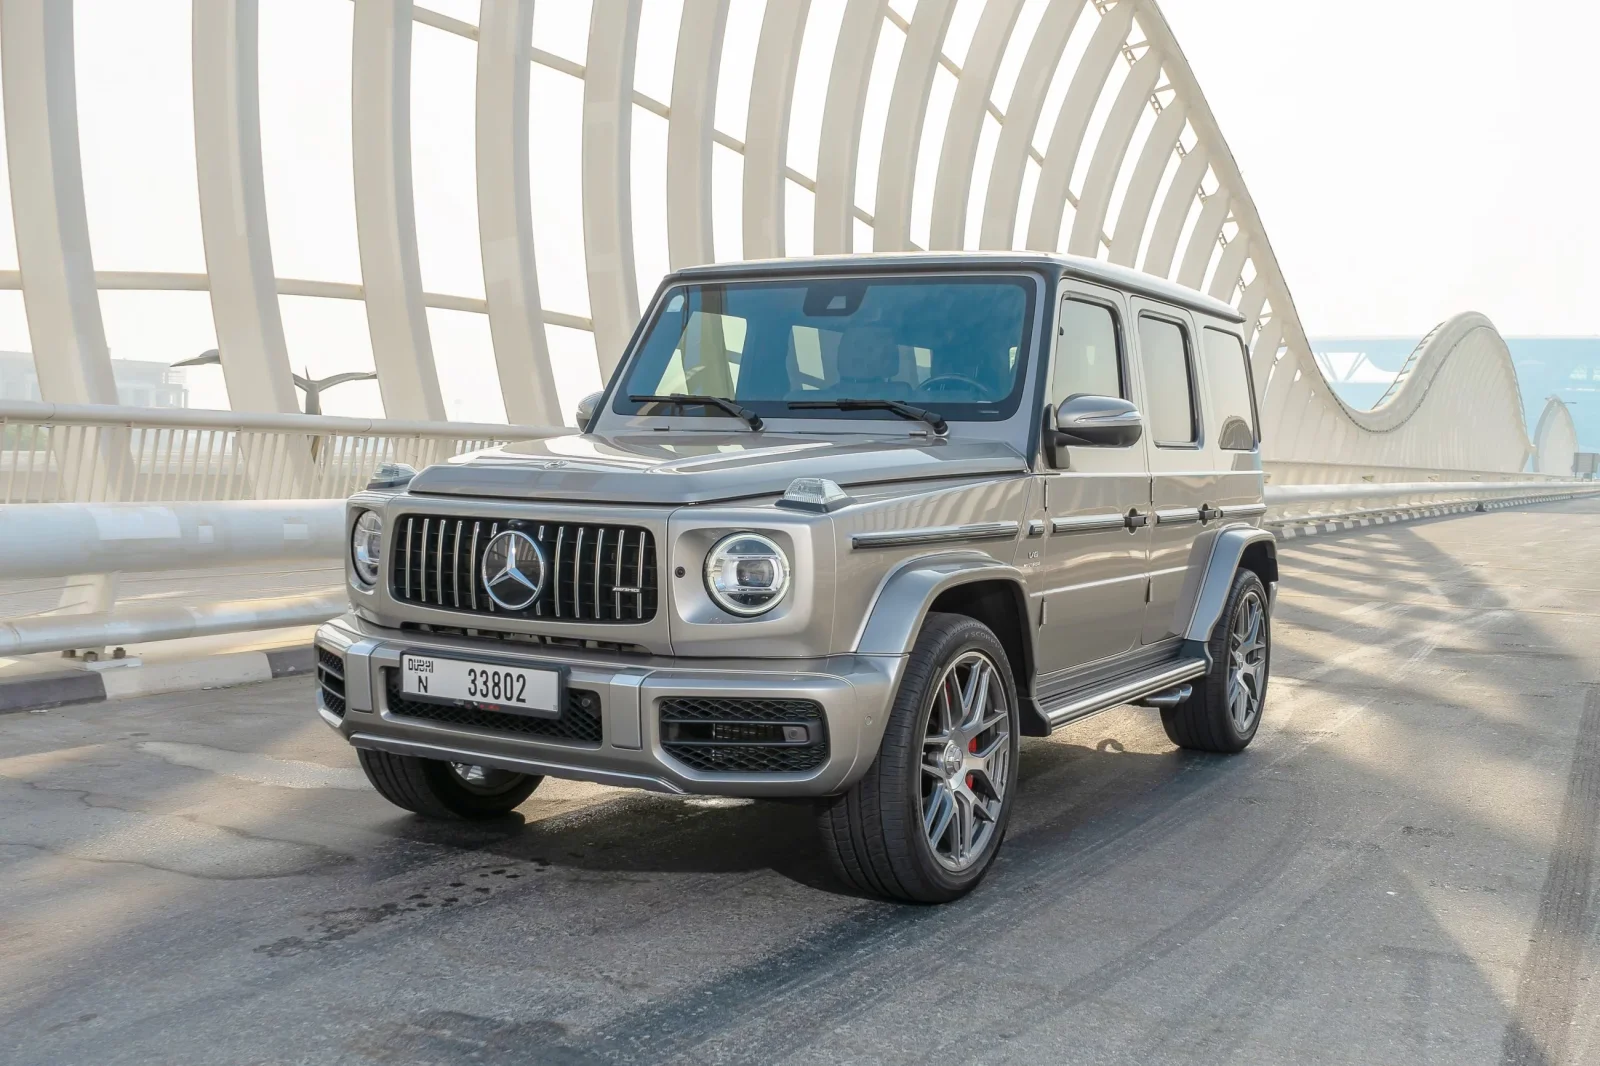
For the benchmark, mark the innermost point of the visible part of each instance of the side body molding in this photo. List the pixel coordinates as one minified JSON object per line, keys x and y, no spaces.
{"x":1211,"y":591}
{"x":897,"y":612}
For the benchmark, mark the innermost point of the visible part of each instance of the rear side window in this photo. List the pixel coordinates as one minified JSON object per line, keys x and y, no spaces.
{"x":1169,"y":381}
{"x":1087,"y":358}
{"x":1228,"y":374}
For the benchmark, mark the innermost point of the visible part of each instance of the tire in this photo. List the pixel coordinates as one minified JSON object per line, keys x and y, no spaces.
{"x":441,"y":790}
{"x":1219,"y":717}
{"x":874,"y":833}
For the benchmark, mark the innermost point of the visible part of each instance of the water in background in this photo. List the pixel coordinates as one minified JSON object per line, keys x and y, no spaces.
{"x":1361,"y":369}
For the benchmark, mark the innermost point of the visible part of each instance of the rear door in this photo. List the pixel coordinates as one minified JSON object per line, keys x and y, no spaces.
{"x":1087,"y":565}
{"x":1236,"y":446}
{"x":1182,"y":478}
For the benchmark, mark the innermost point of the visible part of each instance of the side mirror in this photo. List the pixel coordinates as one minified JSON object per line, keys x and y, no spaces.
{"x":586,"y":409}
{"x":1085,"y":421}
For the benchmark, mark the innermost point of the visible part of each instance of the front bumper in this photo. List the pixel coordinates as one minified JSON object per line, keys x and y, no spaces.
{"x":854,"y":691}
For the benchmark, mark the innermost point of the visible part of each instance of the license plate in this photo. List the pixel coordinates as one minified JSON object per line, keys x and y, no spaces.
{"x":519,"y":688}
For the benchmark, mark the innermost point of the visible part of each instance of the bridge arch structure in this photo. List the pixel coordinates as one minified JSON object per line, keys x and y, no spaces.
{"x":789,"y":127}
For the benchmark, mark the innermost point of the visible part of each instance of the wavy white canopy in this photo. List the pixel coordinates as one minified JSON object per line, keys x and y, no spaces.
{"x":1555,"y":440}
{"x":1048,"y":124}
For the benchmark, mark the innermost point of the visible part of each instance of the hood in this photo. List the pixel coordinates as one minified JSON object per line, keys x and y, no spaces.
{"x":672,"y":468}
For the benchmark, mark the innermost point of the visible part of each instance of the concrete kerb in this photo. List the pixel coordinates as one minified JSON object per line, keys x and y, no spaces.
{"x":42,"y":691}
{"x":1292,"y":528}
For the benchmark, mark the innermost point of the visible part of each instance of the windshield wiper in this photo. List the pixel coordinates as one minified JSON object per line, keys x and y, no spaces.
{"x":904,"y":410}
{"x":727,"y":406}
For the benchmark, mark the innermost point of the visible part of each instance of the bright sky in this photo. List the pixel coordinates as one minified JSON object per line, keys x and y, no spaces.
{"x":1414,"y":158}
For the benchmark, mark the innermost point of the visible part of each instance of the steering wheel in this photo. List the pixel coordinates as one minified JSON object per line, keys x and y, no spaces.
{"x":945,"y":381}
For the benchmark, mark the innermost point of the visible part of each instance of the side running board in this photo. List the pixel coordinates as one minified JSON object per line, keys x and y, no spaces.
{"x":1167,"y":676}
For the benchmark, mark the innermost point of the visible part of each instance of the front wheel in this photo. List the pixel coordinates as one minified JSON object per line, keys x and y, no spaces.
{"x":925,"y":822}
{"x":1225,"y":710}
{"x":445,"y":790}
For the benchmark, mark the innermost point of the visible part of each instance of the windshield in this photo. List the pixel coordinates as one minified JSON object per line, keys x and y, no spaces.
{"x":956,"y":346}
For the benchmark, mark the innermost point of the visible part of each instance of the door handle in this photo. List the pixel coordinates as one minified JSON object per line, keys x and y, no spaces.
{"x":1135,"y":520}
{"x":1208,"y":512}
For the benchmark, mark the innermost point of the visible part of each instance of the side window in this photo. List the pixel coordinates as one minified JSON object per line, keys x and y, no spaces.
{"x":1087,"y":356}
{"x":1228,"y":374}
{"x":1169,"y":381}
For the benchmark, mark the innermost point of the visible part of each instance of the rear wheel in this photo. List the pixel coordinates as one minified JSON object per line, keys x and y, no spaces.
{"x":926,"y":820}
{"x":445,"y":790}
{"x":1225,"y":710}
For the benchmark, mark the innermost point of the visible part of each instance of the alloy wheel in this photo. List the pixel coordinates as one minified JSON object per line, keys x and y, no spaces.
{"x":1247,"y":662}
{"x":966,"y":761}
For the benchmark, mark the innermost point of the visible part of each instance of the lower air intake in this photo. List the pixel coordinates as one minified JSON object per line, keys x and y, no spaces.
{"x":744,"y":736}
{"x":330,"y":681}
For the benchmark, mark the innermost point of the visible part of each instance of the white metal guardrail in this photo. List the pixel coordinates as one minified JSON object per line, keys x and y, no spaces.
{"x":61,"y":453}
{"x":51,"y":540}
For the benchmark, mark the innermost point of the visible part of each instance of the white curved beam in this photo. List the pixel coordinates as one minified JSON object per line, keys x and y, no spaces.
{"x":1066,"y":141}
{"x":386,"y":221}
{"x":1089,"y":221}
{"x":1253,"y":299}
{"x":1012,"y":150}
{"x":952,"y":187}
{"x":68,"y":336}
{"x":1263,"y":355}
{"x":902,"y":130}
{"x":834,"y":221}
{"x":694,"y":104}
{"x":1203,"y":241}
{"x":1143,"y":183}
{"x":766,"y":137}
{"x":607,"y":181}
{"x":1174,"y":212}
{"x":505,"y":214}
{"x":1225,"y":282}
{"x":233,"y":208}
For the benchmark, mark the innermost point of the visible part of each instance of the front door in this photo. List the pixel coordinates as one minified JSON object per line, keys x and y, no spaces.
{"x":1086,"y":557}
{"x":1182,"y":480}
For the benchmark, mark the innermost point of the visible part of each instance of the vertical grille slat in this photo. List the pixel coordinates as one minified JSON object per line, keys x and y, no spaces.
{"x":472,"y":567}
{"x":406,"y":558}
{"x":638,"y":579}
{"x":438,"y":566}
{"x":555,"y":578}
{"x":593,"y":573}
{"x":622,"y":548}
{"x":577,"y":576}
{"x":422,"y":566}
{"x":455,"y":566}
{"x":599,"y":553}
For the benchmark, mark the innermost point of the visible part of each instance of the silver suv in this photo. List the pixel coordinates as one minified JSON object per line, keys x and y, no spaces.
{"x":844,"y":529}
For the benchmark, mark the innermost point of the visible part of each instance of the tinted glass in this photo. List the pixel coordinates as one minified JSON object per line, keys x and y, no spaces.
{"x":1228,"y":375}
{"x":1163,"y":348}
{"x":957,"y":346}
{"x":1087,"y":360}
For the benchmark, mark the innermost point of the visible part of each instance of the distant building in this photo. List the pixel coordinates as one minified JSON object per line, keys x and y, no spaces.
{"x":1361,"y":369}
{"x":139,"y":384}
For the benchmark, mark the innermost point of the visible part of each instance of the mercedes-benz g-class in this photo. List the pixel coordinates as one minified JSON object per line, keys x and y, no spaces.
{"x":843,"y":529}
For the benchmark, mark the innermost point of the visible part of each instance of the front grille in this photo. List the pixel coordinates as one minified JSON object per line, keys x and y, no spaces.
{"x":579,"y":722}
{"x":593,"y":573}
{"x":330,"y":680}
{"x":743,"y":735}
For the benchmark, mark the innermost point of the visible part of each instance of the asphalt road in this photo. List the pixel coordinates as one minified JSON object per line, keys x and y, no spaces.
{"x":1400,"y":870}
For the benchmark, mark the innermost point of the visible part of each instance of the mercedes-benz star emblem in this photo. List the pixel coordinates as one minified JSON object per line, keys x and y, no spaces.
{"x":513,"y":570}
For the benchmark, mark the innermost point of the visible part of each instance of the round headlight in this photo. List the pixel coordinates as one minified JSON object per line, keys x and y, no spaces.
{"x":747,"y":574}
{"x":366,"y":546}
